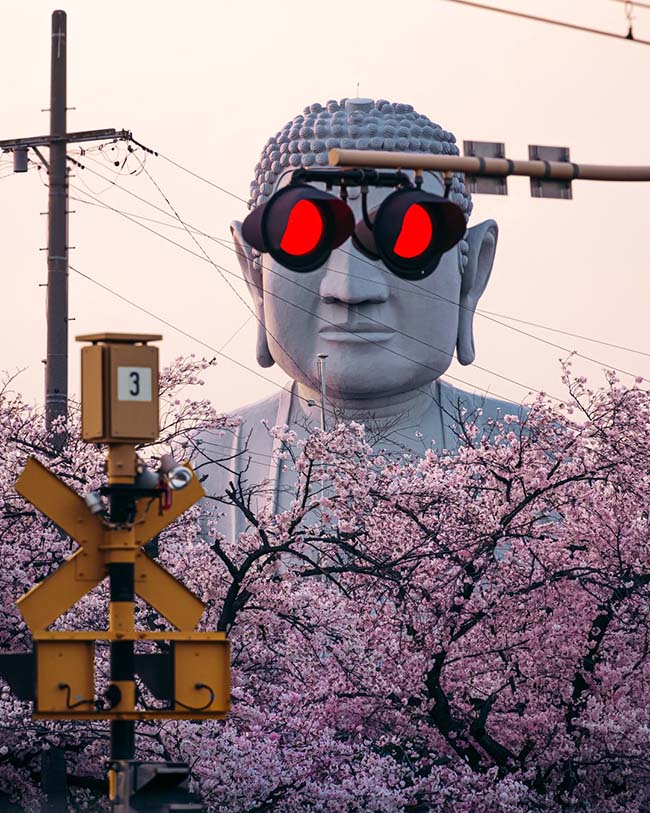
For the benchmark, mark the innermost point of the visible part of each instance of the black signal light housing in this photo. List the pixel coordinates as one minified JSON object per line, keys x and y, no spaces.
{"x":411,"y":231}
{"x":299,"y":226}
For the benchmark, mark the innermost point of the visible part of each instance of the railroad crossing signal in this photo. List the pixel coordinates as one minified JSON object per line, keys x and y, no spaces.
{"x":64,"y":660}
{"x":191,"y":676}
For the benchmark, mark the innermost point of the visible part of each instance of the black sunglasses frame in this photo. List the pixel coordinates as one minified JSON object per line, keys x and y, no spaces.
{"x":444,"y":215}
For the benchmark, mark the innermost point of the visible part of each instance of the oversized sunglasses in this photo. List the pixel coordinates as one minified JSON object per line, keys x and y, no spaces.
{"x":300,"y":226}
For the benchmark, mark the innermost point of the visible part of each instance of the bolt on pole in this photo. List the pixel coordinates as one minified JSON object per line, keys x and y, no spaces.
{"x":56,"y":369}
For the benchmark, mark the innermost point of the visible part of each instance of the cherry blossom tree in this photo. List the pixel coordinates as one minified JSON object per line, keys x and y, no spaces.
{"x":461,"y":632}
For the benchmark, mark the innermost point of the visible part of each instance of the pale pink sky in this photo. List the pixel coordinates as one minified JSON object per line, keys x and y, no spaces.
{"x":207,"y":83}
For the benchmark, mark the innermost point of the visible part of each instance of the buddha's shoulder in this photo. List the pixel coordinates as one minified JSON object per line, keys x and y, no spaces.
{"x":244,"y":447}
{"x":251,"y":416}
{"x":477,"y":407}
{"x":266,"y":409}
{"x":249,"y":427}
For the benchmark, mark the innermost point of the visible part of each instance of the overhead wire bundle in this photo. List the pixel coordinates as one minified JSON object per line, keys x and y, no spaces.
{"x":416,"y":290}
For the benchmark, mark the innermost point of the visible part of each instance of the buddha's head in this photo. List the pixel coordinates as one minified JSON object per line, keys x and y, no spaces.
{"x":383,"y":335}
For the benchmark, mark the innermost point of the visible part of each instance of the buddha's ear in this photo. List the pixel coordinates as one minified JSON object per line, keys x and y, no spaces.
{"x":482,"y":240}
{"x":252,"y":273}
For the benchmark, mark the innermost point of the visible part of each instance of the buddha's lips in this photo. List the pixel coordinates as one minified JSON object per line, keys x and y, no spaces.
{"x":353,"y":331}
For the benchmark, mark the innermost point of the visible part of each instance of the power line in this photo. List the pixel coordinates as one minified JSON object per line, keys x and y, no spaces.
{"x":216,"y":267}
{"x":220,"y":352}
{"x":183,"y":224}
{"x":634,"y":3}
{"x":311,"y":313}
{"x":567,"y":333}
{"x":413,"y":285}
{"x":188,"y":335}
{"x":190,"y":172}
{"x":549,"y":21}
{"x":308,"y":402}
{"x":411,"y":291}
{"x":162,"y":320}
{"x":236,"y":333}
{"x":183,"y":332}
{"x":567,"y":350}
{"x":327,"y":321}
{"x":489,"y":315}
{"x":562,"y":348}
{"x":547,"y":342}
{"x":415,"y":290}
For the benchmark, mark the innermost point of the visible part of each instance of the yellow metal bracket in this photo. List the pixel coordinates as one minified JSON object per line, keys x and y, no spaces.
{"x":199,"y":664}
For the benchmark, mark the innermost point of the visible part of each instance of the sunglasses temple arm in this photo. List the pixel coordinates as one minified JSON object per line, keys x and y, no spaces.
{"x":448,"y":177}
{"x":364,"y":207}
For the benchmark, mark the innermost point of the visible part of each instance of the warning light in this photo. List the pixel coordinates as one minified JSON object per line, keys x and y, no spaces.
{"x":304,"y":229}
{"x":416,"y":233}
{"x":299,"y":226}
{"x":411,"y":231}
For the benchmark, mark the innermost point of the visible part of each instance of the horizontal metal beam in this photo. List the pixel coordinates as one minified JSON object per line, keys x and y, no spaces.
{"x":128,"y":635}
{"x":495,"y":167}
{"x":137,"y":715}
{"x":82,"y":135}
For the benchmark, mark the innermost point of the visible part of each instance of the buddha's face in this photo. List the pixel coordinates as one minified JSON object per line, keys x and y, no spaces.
{"x":383,"y":335}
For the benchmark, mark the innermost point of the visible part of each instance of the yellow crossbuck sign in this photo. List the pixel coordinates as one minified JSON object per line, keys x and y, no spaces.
{"x":87,"y":567}
{"x":192,"y":676}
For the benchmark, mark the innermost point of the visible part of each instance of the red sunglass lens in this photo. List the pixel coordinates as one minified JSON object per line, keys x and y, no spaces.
{"x":416,"y":233}
{"x":304,"y":229}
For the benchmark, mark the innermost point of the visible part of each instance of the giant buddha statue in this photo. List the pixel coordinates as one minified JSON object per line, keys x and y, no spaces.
{"x":388,"y":340}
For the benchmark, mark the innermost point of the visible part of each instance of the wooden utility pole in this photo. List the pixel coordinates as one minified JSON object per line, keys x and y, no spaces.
{"x":56,"y":367}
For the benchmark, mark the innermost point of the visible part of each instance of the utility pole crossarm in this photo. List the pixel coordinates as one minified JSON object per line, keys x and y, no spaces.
{"x":83,"y":135}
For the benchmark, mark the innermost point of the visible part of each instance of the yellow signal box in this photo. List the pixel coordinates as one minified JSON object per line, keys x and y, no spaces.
{"x":64,"y":676}
{"x":201,"y":676}
{"x":119,"y":388}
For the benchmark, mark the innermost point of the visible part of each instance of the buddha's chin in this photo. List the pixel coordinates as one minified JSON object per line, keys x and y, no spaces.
{"x":354,"y":391}
{"x":375,"y":378}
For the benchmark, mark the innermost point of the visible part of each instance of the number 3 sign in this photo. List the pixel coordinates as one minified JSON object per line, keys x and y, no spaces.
{"x":134,"y":384}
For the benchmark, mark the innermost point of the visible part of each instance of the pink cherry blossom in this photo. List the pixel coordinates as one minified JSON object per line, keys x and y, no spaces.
{"x":461,"y":633}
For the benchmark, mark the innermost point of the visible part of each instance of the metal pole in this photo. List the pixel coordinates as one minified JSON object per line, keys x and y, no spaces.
{"x":498,"y":167}
{"x":121,"y":573}
{"x":54,"y":781}
{"x":323,"y":391}
{"x":56,"y":370}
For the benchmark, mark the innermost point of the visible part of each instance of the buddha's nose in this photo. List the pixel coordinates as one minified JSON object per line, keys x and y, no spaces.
{"x":352,"y":280}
